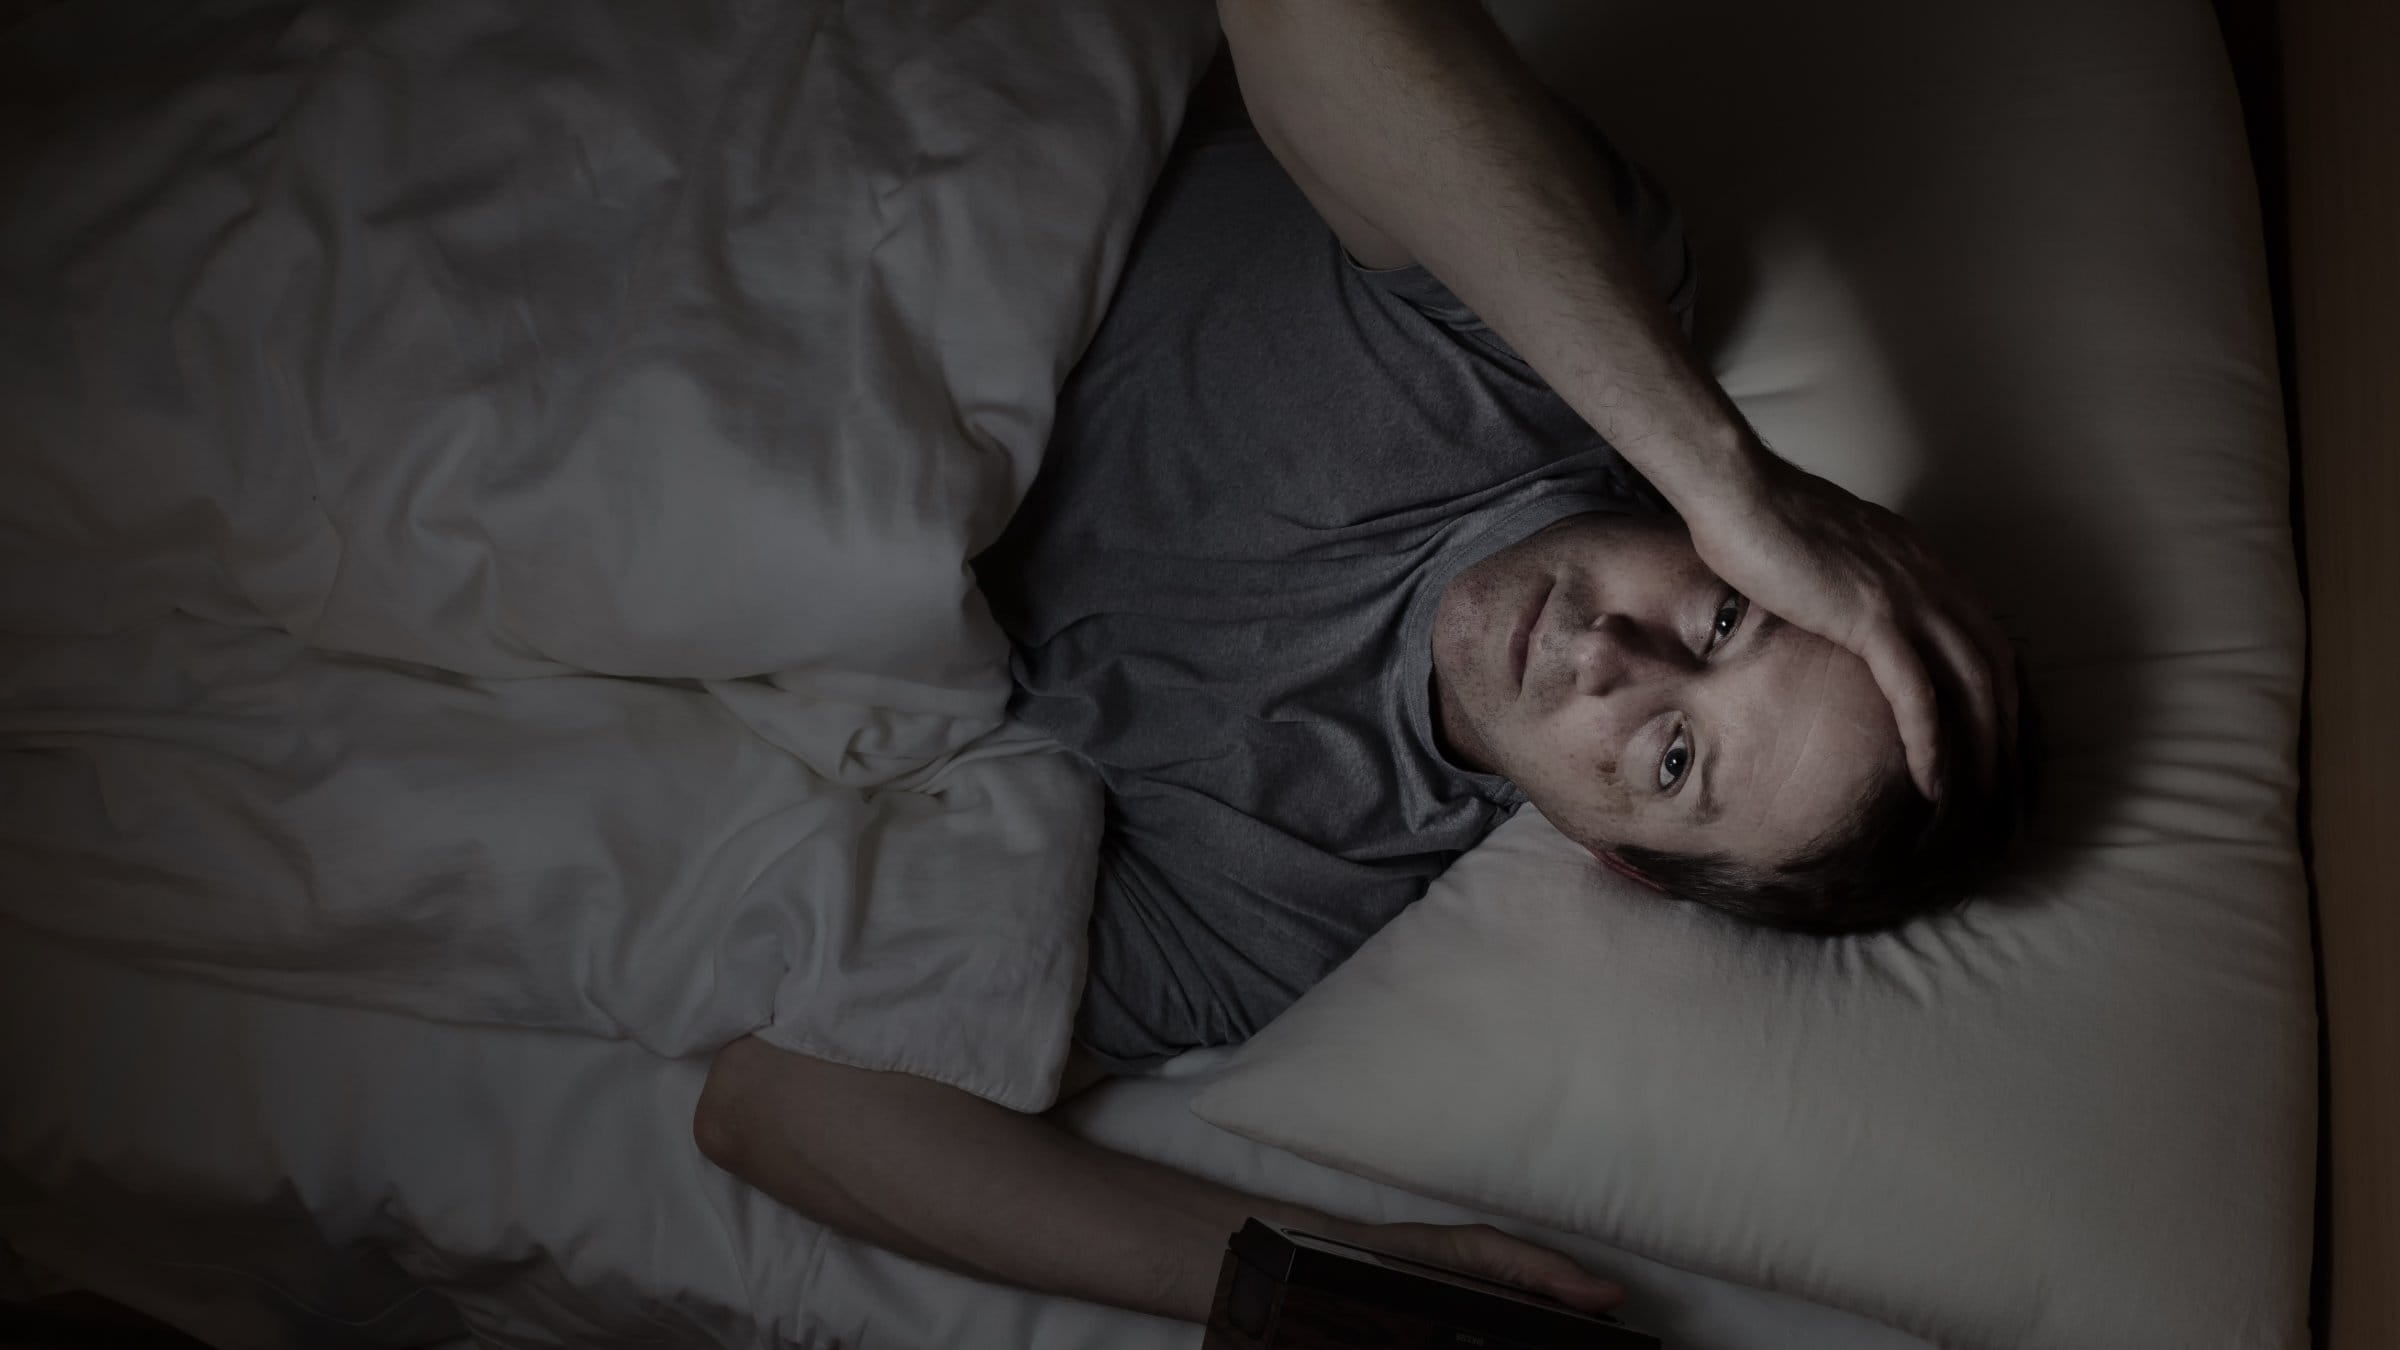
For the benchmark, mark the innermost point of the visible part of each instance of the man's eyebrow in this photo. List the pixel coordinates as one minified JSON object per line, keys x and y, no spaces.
{"x":1767,"y":626}
{"x":1705,"y":808}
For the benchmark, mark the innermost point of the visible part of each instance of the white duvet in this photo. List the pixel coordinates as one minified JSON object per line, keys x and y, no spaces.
{"x":489,"y":495}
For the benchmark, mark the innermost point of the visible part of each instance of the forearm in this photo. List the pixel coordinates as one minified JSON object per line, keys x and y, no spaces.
{"x":938,"y":1174}
{"x":1417,"y":130}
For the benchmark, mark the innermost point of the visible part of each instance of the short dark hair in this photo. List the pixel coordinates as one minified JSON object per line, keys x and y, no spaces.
{"x":1896,"y":857}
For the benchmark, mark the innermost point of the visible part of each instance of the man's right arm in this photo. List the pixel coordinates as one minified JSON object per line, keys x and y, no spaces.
{"x":1419,"y":135}
{"x":943,"y":1176}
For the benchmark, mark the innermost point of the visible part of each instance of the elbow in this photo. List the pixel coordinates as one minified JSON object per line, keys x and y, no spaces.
{"x":720,"y":1117}
{"x":713,"y":1131}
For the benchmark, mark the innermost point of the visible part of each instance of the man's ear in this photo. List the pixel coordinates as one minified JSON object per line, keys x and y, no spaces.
{"x":1615,"y":862}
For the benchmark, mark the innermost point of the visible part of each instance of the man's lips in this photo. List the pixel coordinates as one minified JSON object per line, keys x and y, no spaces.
{"x":1521,"y":640}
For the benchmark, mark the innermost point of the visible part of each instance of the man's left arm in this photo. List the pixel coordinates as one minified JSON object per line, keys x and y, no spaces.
{"x":935,"y":1173}
{"x":1419,"y":135}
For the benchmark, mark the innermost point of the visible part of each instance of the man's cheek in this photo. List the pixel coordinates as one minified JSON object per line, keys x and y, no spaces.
{"x":1579,"y":799}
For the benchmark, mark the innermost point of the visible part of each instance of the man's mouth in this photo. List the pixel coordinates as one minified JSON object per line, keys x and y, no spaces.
{"x":1520,"y":642}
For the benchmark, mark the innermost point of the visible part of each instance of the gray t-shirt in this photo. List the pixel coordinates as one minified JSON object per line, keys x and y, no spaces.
{"x":1221,"y":587}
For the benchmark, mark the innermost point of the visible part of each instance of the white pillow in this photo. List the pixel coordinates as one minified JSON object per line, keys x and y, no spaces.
{"x":1996,"y":264}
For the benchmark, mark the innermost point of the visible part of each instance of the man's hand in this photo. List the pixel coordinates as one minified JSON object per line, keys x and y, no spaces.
{"x":1810,"y":553}
{"x":1480,"y":1249}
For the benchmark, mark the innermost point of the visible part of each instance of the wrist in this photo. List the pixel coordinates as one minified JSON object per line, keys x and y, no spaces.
{"x":1719,"y":464}
{"x":1355,"y":1231}
{"x":1195,"y":1283}
{"x":1285,"y":1215}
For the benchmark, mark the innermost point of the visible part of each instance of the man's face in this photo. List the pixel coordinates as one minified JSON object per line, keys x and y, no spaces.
{"x":1634,"y":699}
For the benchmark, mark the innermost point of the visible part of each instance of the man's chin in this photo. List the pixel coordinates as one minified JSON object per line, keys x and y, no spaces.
{"x":1453,"y":731}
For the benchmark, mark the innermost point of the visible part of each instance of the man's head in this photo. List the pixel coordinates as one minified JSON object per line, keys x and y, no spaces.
{"x":1654,"y":716}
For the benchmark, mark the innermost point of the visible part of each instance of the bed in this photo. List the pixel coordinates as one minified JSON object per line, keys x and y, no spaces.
{"x":312,"y":1187}
{"x":259,"y":1167}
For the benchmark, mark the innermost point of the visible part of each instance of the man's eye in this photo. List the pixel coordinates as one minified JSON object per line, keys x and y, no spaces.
{"x":1678,"y":758}
{"x":1729,"y":617}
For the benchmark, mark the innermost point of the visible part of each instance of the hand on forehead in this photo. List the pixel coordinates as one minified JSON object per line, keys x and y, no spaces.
{"x":1653,"y":706}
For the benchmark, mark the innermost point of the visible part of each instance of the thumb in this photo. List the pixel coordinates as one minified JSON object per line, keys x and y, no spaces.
{"x":1578,"y":1288}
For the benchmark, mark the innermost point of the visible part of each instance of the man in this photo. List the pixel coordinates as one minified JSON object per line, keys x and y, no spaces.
{"x":1346,"y":544}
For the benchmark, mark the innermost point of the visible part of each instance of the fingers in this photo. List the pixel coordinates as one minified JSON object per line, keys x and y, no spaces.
{"x":1900,"y":673}
{"x":1972,"y":678}
{"x":1580,"y":1289}
{"x":1984,"y":668}
{"x":1494,"y":1254}
{"x":2002,"y":654}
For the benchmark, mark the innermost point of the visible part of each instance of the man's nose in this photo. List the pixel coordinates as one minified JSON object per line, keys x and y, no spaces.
{"x":1618,"y":652}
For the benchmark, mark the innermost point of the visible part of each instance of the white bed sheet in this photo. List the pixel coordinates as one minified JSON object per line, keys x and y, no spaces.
{"x":267,"y":1173}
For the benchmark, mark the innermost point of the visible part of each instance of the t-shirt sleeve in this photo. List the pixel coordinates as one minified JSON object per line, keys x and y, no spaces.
{"x":1147,"y":995}
{"x":1111,"y":1028}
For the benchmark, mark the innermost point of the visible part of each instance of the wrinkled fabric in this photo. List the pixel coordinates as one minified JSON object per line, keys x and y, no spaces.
{"x":489,"y":495}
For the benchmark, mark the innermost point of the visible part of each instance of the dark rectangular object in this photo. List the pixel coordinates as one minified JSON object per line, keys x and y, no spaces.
{"x":1282,"y":1289}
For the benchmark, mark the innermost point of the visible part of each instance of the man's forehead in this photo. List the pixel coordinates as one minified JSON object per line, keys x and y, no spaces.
{"x":1795,"y":747}
{"x":1746,"y":722}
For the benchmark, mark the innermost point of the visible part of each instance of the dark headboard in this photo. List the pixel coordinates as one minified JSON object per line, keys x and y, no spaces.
{"x":2322,"y":78}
